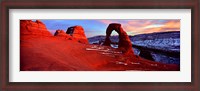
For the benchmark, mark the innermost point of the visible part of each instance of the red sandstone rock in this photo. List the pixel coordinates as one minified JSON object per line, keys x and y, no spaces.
{"x":78,"y":33}
{"x":124,"y":41}
{"x":60,"y":33}
{"x":33,"y":28}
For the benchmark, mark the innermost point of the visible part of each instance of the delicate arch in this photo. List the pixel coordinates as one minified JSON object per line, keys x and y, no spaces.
{"x":124,"y":41}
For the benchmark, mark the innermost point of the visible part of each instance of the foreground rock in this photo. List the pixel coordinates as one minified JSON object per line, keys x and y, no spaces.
{"x":78,"y":33}
{"x":124,"y":41}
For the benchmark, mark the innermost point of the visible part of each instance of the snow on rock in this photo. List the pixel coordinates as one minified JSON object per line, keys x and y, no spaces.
{"x":168,"y":42}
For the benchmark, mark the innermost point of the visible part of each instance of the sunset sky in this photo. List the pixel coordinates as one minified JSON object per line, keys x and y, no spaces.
{"x":98,"y":27}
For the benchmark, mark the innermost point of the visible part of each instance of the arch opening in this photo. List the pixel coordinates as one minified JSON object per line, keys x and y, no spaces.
{"x":114,"y":38}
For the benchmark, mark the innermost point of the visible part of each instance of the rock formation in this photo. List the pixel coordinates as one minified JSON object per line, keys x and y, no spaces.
{"x":78,"y":33}
{"x":146,"y":54}
{"x":124,"y":41}
{"x":33,"y":28}
{"x":59,"y":33}
{"x":63,"y":35}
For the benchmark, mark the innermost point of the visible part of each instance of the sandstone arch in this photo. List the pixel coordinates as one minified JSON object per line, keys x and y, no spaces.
{"x":124,"y":42}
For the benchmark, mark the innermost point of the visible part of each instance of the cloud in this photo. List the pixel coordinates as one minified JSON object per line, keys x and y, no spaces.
{"x":106,"y":21}
{"x":139,"y":22}
{"x":169,"y":25}
{"x":153,"y":26}
{"x":150,"y":26}
{"x":172,"y":24}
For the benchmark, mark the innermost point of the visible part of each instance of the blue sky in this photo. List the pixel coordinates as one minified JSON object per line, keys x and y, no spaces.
{"x":98,"y":27}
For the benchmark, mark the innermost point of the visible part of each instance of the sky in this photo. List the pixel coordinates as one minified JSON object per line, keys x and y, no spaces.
{"x":132,"y":27}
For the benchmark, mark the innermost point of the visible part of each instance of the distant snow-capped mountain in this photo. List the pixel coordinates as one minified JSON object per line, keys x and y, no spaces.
{"x":163,"y":46}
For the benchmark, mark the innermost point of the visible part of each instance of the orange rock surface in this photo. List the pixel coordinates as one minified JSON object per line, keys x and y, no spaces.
{"x":78,"y":33}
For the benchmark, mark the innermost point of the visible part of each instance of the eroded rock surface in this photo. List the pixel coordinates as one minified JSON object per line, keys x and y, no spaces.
{"x":78,"y":33}
{"x":59,"y":33}
{"x":36,"y":28}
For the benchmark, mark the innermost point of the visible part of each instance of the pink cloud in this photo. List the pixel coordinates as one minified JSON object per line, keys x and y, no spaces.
{"x":139,"y":23}
{"x":123,"y":22}
{"x":147,"y":26}
{"x":172,"y":24}
{"x":107,"y":21}
{"x":130,"y":28}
